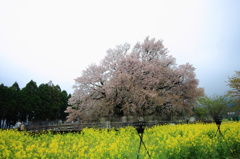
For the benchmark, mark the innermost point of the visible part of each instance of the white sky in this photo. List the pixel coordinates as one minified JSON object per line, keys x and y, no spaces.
{"x":55,"y":40}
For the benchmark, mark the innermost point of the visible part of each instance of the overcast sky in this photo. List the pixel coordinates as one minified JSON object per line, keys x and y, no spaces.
{"x":55,"y":40}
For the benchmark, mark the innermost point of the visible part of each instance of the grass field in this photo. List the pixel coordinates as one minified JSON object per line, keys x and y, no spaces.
{"x":193,"y":141}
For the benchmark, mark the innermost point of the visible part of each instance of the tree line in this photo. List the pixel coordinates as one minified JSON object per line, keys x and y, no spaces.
{"x":32,"y":103}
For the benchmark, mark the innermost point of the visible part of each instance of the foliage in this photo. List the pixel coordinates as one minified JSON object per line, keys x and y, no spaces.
{"x":9,"y":97}
{"x":234,"y":84}
{"x":32,"y":103}
{"x":30,"y":100}
{"x":190,"y":141}
{"x":214,"y":106}
{"x":201,"y":113}
{"x":143,"y":81}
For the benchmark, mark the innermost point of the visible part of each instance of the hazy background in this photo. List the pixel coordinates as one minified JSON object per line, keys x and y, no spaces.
{"x":55,"y":40}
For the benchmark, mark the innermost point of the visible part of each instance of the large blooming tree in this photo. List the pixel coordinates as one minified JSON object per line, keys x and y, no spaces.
{"x":142,"y":81}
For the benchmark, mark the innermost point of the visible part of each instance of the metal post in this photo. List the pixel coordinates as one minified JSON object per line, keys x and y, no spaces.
{"x":140,"y":131}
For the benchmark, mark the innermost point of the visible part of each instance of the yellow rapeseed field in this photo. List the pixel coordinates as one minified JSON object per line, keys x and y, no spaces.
{"x":163,"y":142}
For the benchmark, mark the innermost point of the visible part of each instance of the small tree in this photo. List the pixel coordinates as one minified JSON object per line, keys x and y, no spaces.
{"x":201,"y":113}
{"x":215,"y":106}
{"x":234,"y":84}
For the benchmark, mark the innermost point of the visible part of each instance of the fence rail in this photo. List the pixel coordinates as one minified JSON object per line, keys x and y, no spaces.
{"x":75,"y":127}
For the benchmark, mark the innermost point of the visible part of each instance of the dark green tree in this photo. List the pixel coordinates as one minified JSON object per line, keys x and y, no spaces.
{"x":3,"y":104}
{"x":9,"y":105}
{"x":14,"y":104}
{"x":30,"y":100}
{"x":53,"y":102}
{"x":50,"y":102}
{"x":64,"y":104}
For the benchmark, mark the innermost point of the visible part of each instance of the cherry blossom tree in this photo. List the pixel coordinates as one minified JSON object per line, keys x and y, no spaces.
{"x":138,"y":82}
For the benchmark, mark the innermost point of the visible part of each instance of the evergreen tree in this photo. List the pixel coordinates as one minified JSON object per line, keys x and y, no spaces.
{"x":53,"y":102}
{"x":3,"y":104}
{"x":64,"y":104}
{"x":31,"y":100}
{"x":50,"y":102}
{"x":14,"y":103}
{"x":9,"y":104}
